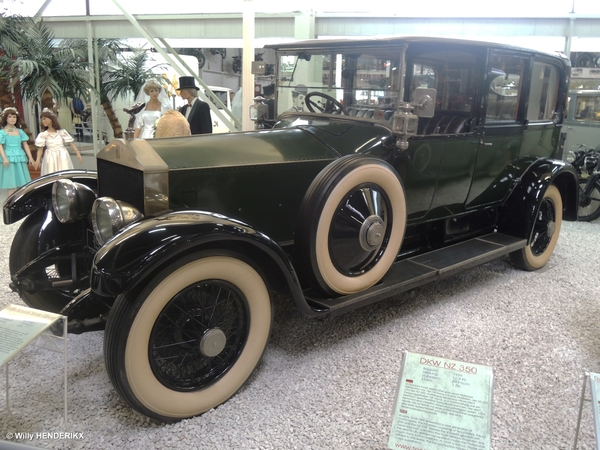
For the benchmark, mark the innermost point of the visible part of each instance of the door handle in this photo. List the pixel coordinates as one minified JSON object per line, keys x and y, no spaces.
{"x":480,"y":142}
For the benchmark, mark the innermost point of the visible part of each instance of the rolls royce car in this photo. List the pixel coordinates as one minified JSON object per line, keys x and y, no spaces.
{"x":392,"y":163}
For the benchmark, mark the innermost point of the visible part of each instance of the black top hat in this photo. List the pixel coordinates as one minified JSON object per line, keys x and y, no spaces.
{"x":269,"y":90}
{"x":187,"y":83}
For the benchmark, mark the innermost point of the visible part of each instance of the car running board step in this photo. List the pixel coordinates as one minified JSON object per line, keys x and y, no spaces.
{"x":422,"y":269}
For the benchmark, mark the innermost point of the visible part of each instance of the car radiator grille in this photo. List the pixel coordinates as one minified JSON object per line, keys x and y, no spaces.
{"x":121,"y":183}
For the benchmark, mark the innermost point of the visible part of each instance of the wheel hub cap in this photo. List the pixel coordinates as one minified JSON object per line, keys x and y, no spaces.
{"x":551,"y":228}
{"x":213,"y":342}
{"x":372,"y":232}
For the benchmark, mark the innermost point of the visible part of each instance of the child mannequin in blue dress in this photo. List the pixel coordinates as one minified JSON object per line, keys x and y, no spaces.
{"x":14,"y":152}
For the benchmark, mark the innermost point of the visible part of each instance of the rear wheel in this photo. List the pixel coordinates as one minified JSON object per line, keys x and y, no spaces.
{"x":546,"y":229}
{"x":589,"y":206}
{"x":190,"y":339}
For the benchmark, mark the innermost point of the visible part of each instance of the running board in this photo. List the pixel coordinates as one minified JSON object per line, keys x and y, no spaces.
{"x":422,"y":269}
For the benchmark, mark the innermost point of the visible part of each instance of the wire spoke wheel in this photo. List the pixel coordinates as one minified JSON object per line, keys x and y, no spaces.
{"x":544,"y":227}
{"x":189,"y":339}
{"x":199,"y":335}
{"x":544,"y":234}
{"x":589,"y":205}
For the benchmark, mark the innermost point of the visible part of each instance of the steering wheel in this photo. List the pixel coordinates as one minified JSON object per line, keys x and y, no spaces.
{"x":332,"y":106}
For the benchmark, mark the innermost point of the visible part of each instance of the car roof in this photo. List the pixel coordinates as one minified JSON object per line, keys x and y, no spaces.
{"x":392,"y":41}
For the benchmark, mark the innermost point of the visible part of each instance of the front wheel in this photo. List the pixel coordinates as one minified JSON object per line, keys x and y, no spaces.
{"x":546,"y":229}
{"x":190,"y":339}
{"x":589,"y":205}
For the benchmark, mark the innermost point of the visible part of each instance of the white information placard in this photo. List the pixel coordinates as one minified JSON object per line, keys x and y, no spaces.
{"x":595,"y":388}
{"x":442,"y":404}
{"x":19,"y":326}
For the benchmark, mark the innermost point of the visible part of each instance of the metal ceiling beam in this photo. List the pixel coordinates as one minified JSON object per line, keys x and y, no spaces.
{"x":175,"y":66}
{"x":229,"y":26}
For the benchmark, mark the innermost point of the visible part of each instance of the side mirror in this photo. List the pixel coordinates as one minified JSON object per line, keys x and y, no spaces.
{"x":424,"y":102}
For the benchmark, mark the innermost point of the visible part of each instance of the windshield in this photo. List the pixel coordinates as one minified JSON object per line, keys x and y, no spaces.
{"x":365,"y":85}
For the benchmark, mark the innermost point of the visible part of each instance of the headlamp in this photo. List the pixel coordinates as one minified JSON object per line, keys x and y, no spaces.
{"x":109,"y":216}
{"x":71,"y":200}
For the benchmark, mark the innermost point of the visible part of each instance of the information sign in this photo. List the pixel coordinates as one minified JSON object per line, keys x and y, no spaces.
{"x":19,"y":326}
{"x":442,"y":404}
{"x":595,"y":388}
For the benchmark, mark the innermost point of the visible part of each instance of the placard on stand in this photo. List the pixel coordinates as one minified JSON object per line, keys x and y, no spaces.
{"x":441,"y":404}
{"x":594,"y":380}
{"x":19,"y":327}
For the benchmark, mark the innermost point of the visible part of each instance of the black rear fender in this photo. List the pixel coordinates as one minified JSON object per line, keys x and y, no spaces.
{"x":517,"y":214}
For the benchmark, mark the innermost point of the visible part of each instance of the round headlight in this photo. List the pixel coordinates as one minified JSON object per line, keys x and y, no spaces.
{"x":71,"y":201}
{"x":109,"y":216}
{"x":570,"y":157}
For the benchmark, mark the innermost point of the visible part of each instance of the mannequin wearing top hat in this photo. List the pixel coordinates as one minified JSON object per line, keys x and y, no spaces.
{"x":196,"y":111}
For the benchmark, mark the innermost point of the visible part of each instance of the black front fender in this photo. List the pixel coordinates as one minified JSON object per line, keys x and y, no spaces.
{"x":137,"y":251}
{"x":38,"y":193}
{"x":519,"y":210}
{"x":54,"y":234}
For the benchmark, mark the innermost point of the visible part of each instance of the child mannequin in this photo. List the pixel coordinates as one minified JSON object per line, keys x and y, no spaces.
{"x":54,"y":138}
{"x":14,"y":151}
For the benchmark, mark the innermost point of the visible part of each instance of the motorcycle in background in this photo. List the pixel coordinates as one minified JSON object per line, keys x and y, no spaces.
{"x":586,"y":162}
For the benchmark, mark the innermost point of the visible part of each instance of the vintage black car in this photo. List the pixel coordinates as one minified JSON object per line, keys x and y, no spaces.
{"x":392,"y":163}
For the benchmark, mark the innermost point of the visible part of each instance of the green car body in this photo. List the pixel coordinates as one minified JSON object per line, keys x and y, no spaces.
{"x":392,"y":163}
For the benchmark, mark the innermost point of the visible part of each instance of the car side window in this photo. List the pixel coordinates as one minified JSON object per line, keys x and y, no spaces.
{"x":452,"y":74}
{"x":370,"y":83}
{"x":587,"y":109}
{"x":505,"y":78}
{"x":543,"y":93}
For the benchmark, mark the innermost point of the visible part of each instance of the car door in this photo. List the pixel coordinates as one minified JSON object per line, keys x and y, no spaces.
{"x":444,"y":152}
{"x":499,"y":137}
{"x":542,"y":132}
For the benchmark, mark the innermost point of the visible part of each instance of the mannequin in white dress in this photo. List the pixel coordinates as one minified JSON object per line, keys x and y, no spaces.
{"x":51,"y":145}
{"x":157,"y":103}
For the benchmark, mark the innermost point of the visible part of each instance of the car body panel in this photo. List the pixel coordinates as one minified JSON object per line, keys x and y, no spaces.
{"x":474,"y":165}
{"x":392,"y":163}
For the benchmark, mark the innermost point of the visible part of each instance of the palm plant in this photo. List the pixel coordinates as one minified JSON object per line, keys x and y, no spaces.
{"x":119,"y":75}
{"x":130,"y":75}
{"x":34,"y":65}
{"x":10,"y":37}
{"x":106,"y":54}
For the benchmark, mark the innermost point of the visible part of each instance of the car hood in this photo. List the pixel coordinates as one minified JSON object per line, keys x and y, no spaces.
{"x":294,"y":141}
{"x":229,"y":149}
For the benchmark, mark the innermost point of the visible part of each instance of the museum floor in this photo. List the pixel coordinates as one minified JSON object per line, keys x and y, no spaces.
{"x":330,"y":383}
